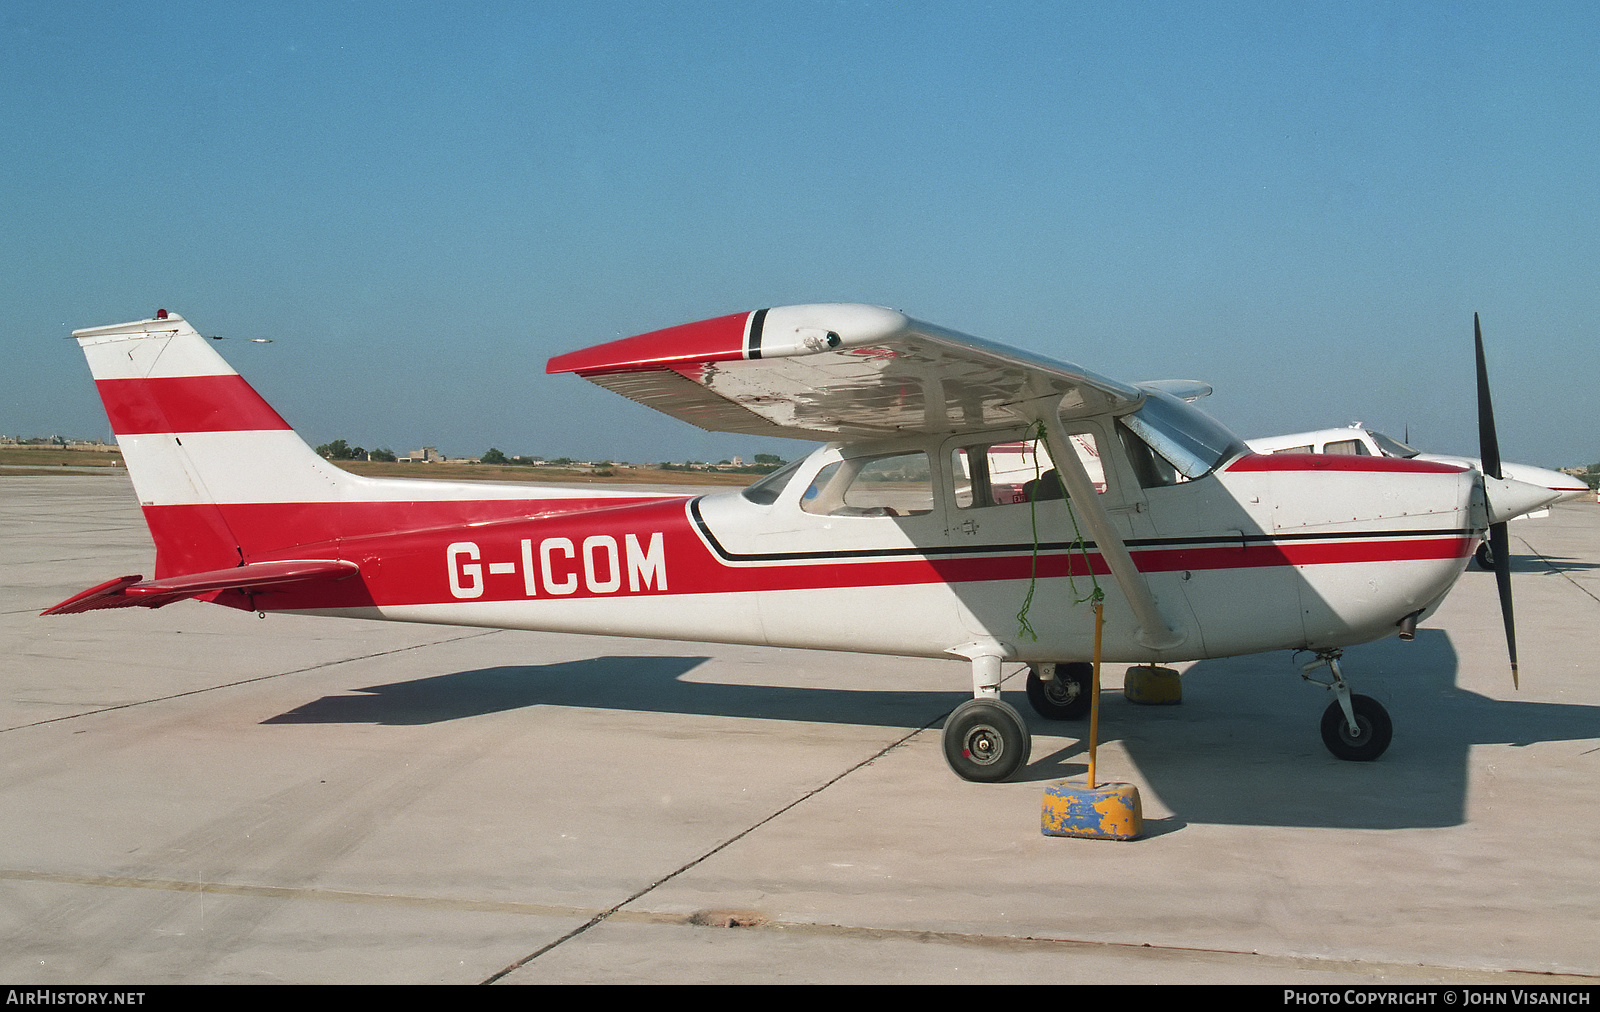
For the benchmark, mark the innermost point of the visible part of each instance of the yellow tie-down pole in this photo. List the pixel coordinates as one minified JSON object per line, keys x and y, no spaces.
{"x":1095,"y":811}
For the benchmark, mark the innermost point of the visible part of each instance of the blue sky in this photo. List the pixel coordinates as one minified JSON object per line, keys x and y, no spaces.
{"x":420,"y":204}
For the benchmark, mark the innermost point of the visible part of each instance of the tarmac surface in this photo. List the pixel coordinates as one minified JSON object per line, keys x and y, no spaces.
{"x":193,"y":795}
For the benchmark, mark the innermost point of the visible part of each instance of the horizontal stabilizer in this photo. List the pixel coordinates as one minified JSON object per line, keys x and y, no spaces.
{"x":136,"y":591}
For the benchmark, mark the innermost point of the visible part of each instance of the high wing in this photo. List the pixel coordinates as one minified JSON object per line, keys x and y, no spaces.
{"x":837,"y":371}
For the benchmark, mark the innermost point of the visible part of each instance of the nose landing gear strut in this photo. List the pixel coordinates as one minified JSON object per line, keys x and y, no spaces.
{"x":1355,"y":728}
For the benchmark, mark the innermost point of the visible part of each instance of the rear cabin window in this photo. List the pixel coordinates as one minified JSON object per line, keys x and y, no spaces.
{"x":894,"y":485}
{"x":1349,"y":447}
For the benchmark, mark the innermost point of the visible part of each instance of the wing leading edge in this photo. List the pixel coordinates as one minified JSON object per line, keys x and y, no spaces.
{"x":837,"y":370}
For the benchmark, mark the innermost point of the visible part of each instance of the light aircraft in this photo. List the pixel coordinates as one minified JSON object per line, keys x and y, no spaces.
{"x":1361,"y":441}
{"x":908,"y":533}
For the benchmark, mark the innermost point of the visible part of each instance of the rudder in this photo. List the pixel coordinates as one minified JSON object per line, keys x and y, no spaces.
{"x":195,"y":435}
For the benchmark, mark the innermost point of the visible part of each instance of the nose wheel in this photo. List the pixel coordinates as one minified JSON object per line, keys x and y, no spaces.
{"x":1354,"y":728}
{"x":1484,"y":557}
{"x":1370,"y":737}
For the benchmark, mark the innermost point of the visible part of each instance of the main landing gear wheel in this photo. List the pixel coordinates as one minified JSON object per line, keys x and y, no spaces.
{"x":1064,"y":697}
{"x":1372,"y":722}
{"x":986,"y":740}
{"x":1484,"y":557}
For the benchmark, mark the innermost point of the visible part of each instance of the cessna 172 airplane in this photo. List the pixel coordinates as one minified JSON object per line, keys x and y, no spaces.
{"x":908,"y":533}
{"x":1360,"y":440}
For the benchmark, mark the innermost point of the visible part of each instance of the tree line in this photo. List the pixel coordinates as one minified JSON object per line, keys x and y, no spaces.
{"x":340,"y":449}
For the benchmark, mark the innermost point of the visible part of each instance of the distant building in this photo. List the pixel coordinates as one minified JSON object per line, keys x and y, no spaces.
{"x":426,"y":455}
{"x":59,"y":443}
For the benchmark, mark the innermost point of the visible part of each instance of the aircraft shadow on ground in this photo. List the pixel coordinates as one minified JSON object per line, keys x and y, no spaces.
{"x":636,"y":683}
{"x":1243,"y":748}
{"x":1541,"y":565}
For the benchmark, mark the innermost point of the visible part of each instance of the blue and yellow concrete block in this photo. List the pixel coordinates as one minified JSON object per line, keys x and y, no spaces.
{"x":1152,"y":686}
{"x":1105,"y":812}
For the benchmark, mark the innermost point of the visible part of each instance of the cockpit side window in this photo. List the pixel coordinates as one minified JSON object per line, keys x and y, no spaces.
{"x":1391,"y":447}
{"x":1152,"y":469}
{"x":1017,"y":471}
{"x":1191,"y":440}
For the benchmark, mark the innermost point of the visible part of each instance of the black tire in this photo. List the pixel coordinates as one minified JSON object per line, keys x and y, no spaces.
{"x":1065,"y":697}
{"x":986,"y":740}
{"x":1371,"y":718}
{"x":1484,"y":557}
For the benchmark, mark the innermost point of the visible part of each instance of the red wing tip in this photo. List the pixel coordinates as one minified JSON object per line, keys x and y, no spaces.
{"x":713,"y":340}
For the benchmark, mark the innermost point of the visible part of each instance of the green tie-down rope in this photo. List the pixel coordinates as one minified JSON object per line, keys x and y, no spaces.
{"x":1095,"y":595}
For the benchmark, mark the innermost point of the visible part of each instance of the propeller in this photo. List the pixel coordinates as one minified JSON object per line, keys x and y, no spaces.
{"x":1499,"y":537}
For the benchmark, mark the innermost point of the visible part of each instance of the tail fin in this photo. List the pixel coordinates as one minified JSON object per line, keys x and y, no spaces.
{"x":198,"y":442}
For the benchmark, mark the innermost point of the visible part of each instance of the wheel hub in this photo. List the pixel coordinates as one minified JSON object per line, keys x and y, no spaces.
{"x":1362,"y":732}
{"x":984,"y":745}
{"x":1060,"y":692}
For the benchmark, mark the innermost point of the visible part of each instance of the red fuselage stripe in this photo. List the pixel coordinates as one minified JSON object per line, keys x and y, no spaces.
{"x":1339,"y":462}
{"x":186,"y":404}
{"x":403,"y":552}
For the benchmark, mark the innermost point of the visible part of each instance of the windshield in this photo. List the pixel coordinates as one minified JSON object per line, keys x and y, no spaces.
{"x":766,"y":491}
{"x":1391,"y":447}
{"x":1193,"y":441}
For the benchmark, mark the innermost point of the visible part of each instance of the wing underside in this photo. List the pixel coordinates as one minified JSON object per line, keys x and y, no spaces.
{"x":838,"y":371}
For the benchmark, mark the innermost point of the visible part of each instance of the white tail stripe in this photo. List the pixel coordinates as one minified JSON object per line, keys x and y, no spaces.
{"x":150,"y":349}
{"x":275,"y":465}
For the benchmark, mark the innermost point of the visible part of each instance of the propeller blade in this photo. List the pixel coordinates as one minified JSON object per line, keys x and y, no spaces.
{"x":1488,"y":444}
{"x":1500,"y":546}
{"x":1499,"y":536}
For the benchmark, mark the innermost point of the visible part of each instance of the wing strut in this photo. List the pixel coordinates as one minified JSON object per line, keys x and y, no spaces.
{"x":1154,"y":632}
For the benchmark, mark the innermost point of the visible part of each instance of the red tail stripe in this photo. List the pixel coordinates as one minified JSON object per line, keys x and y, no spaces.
{"x":186,"y":404}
